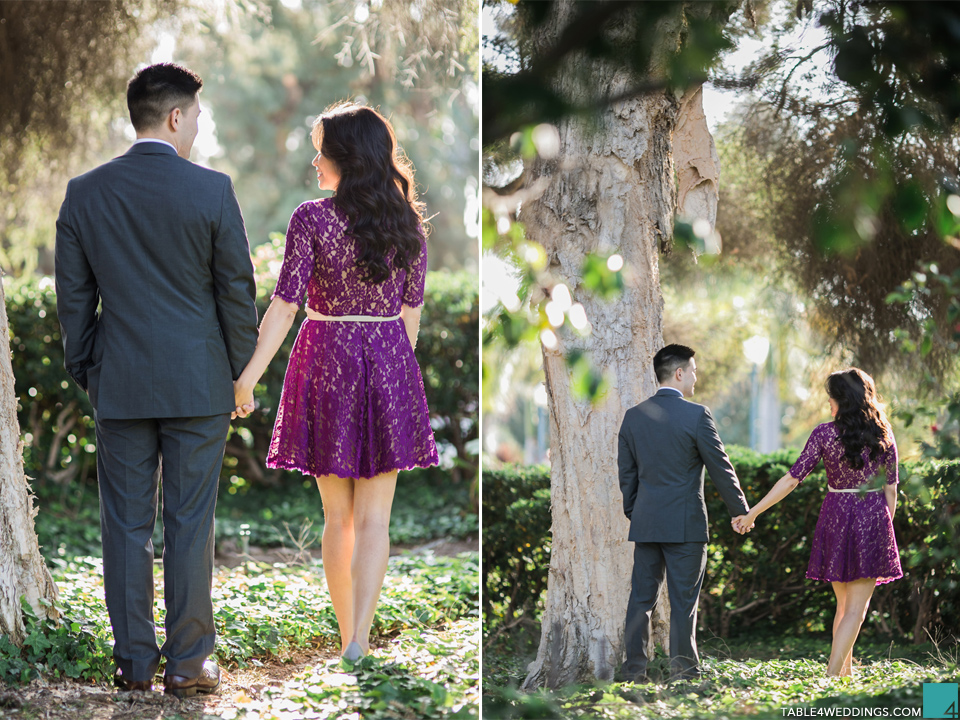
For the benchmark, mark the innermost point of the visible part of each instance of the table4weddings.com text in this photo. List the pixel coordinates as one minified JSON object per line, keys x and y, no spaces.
{"x":851,"y":712}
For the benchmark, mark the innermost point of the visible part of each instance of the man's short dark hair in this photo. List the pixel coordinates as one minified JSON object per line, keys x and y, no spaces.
{"x":156,"y":90}
{"x":666,"y":362}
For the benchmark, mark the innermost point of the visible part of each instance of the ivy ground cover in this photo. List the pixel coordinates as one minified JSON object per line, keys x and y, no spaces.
{"x":761,"y":679}
{"x":278,"y":645}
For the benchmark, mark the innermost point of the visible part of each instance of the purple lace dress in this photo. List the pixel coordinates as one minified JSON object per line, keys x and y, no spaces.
{"x":353,"y":402}
{"x":854,"y":536}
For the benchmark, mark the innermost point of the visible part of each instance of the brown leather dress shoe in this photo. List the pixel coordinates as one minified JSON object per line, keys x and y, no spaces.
{"x":207,"y":684}
{"x":127,"y":685}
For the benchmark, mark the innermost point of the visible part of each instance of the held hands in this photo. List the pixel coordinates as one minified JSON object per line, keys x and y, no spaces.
{"x":243,"y":399}
{"x":743,"y":523}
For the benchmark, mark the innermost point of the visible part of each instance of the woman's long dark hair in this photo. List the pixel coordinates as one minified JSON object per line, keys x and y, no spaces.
{"x":860,"y":416}
{"x":376,"y":190}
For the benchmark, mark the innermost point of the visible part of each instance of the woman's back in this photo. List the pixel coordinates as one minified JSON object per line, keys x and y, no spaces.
{"x":320,"y":258}
{"x":825,"y":444}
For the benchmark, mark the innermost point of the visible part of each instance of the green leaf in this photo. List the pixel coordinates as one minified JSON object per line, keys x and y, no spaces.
{"x":597,"y":277}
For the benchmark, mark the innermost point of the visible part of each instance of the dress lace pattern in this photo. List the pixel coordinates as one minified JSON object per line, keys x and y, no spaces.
{"x":854,"y":536}
{"x":353,"y":403}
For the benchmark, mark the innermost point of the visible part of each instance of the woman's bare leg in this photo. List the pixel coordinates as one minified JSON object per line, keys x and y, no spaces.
{"x":373,"y":500}
{"x":337,"y":548}
{"x":856,"y":602}
{"x":841,"y":591}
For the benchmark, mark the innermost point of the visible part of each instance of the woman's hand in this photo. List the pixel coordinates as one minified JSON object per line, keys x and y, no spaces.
{"x":274,"y":328}
{"x":785,"y":485}
{"x":890,"y":492}
{"x":243,"y":399}
{"x":411,"y":322}
{"x":744,"y":523}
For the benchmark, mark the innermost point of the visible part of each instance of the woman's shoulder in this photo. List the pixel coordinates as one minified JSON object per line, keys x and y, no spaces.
{"x":892,"y":443}
{"x":827,"y":429}
{"x":321,"y":211}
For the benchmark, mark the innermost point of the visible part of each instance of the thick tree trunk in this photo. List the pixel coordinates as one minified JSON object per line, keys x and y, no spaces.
{"x":611,"y":192}
{"x":22,"y":571}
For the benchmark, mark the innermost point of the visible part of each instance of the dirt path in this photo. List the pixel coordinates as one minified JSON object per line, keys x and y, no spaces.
{"x":230,"y":557}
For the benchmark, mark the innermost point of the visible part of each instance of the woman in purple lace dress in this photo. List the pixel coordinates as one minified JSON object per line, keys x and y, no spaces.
{"x":353,"y":411}
{"x":853,"y":547}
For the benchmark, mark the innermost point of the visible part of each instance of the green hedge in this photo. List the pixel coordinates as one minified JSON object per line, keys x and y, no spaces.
{"x":516,"y":542}
{"x":56,"y":422}
{"x":56,"y":417}
{"x":263,"y":516}
{"x":757,"y":580}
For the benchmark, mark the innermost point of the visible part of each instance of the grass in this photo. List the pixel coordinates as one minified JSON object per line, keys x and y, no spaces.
{"x":426,"y":633}
{"x":759,"y":677}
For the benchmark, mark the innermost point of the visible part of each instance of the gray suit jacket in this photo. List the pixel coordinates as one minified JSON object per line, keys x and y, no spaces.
{"x":665,"y":442}
{"x":159,"y":244}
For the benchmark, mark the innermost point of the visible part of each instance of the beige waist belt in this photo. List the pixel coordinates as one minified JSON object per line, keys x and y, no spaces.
{"x":314,"y":315}
{"x":833,"y":489}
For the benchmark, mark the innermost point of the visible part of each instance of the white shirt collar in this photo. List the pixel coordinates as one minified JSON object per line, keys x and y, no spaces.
{"x":143,"y":140}
{"x":671,"y":390}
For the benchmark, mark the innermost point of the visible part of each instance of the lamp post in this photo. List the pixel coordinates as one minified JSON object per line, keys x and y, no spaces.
{"x":756,"y":350}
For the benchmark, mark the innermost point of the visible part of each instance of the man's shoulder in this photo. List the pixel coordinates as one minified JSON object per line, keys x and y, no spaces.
{"x":204,"y":175}
{"x":122,"y":163}
{"x":189,"y":177}
{"x":675,"y":401}
{"x":695,"y":407}
{"x":690,"y":411}
{"x":96,"y":175}
{"x":659,"y":407}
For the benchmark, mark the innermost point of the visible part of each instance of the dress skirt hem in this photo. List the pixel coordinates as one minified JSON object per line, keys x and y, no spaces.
{"x":854,"y":540}
{"x":344,"y":473}
{"x":880,"y":580}
{"x":353,"y":403}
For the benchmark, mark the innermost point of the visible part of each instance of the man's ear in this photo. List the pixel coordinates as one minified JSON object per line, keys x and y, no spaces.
{"x":173,"y":119}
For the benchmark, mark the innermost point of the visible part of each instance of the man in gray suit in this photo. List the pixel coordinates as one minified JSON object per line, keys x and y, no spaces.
{"x":664,"y":444}
{"x":159,"y":244}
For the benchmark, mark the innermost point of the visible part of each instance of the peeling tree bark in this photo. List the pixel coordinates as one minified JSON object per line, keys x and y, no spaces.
{"x":697,"y":161}
{"x":22,"y":570}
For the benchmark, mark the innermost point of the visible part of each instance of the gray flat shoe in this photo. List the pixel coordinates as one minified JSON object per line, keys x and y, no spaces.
{"x":352,"y":653}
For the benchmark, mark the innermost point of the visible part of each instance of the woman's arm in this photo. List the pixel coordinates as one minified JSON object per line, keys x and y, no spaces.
{"x":276,"y":324}
{"x":411,"y":322}
{"x":890,"y":491}
{"x":778,"y":492}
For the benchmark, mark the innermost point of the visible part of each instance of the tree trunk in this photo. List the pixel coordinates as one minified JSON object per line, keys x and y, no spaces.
{"x":612,"y":191}
{"x":22,"y":571}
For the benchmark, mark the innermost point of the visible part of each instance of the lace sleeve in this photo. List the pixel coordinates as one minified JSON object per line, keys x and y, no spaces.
{"x":416,"y":279}
{"x":892,"y":464}
{"x":297,"y":261}
{"x":811,"y":455}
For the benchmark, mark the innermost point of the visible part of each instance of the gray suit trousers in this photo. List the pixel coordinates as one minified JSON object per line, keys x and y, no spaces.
{"x":685,"y":565}
{"x":132,"y":456}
